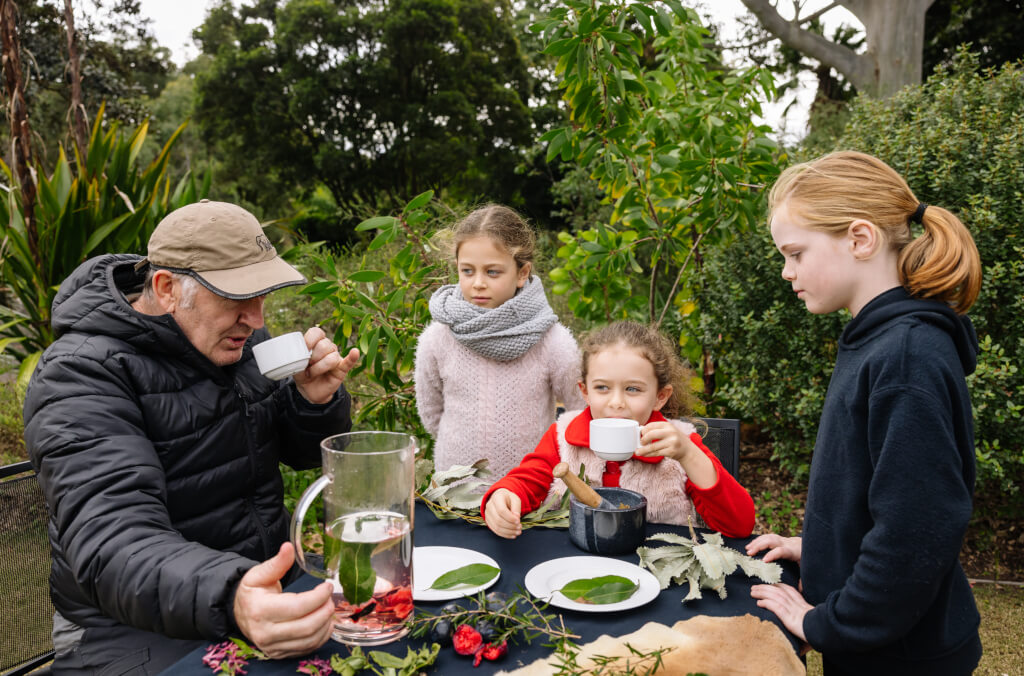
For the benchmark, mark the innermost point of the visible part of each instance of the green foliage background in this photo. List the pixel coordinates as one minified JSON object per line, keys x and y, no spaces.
{"x":376,"y":101}
{"x":662,"y":173}
{"x":959,"y":141}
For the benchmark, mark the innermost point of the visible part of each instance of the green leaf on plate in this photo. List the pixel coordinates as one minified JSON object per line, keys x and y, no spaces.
{"x":600,"y":590}
{"x":473,"y":574}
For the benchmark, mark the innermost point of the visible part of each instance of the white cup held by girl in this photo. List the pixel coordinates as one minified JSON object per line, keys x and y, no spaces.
{"x":614,"y":438}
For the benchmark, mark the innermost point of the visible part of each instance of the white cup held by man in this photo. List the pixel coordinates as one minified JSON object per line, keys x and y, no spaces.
{"x":614,"y":438}
{"x":282,"y":356}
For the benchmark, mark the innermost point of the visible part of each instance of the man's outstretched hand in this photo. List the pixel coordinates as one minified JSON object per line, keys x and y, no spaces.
{"x":279,"y":623}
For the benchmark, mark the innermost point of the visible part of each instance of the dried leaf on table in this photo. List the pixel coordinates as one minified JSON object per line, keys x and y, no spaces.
{"x":701,"y":565}
{"x":456,"y":492}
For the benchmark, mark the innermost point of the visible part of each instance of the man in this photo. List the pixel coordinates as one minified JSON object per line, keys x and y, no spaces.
{"x":157,"y":444}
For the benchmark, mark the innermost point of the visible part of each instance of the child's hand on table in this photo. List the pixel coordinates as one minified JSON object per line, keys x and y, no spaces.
{"x":502,"y":513}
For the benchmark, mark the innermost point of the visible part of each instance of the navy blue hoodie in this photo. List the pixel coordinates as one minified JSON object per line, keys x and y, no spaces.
{"x":890,"y":495}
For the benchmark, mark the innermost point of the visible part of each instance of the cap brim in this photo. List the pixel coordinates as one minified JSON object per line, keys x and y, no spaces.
{"x":251,"y":280}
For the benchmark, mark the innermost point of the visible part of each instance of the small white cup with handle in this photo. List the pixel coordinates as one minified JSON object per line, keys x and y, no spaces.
{"x":614,"y":438}
{"x":283,"y":356}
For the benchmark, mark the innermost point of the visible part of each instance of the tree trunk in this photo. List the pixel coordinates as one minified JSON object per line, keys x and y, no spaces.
{"x":78,"y":120}
{"x":894,"y":36}
{"x":21,"y":133}
{"x":895,"y":41}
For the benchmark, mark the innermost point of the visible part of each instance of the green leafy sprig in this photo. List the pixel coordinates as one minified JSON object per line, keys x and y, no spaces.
{"x":389,"y":665}
{"x":518,"y":617}
{"x":701,"y":565}
{"x":455,"y":493}
{"x":637,"y":663}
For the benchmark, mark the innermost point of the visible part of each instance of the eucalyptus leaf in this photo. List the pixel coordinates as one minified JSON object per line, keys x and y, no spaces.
{"x":600,"y":590}
{"x":473,"y":574}
{"x":355,"y":572}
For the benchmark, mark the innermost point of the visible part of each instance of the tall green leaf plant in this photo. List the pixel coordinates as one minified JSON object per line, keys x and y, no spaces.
{"x":669,"y":135}
{"x":101,"y":203}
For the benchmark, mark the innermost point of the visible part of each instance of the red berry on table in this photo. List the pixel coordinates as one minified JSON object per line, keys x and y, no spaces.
{"x":494,"y":652}
{"x":466,"y":640}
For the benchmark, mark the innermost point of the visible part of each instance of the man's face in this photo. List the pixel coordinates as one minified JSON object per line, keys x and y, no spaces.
{"x":217,"y":326}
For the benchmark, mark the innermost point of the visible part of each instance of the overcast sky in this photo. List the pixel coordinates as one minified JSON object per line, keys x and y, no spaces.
{"x":174,"y":20}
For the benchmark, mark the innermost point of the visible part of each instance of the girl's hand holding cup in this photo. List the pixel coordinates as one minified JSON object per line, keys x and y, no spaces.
{"x":662,"y":438}
{"x":502,"y":514}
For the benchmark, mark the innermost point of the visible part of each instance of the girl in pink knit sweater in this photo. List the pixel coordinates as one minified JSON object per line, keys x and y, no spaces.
{"x":494,"y":362}
{"x":630,"y":371}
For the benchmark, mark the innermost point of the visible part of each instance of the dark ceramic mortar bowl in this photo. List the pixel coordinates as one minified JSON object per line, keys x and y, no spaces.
{"x":609,"y":531}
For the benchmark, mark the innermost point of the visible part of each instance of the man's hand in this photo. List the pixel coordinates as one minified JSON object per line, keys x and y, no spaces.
{"x":502,"y":513}
{"x":278,"y":623}
{"x":326,"y":370}
{"x":787,"y":603}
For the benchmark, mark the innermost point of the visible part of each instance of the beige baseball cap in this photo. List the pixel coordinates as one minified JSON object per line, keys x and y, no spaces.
{"x":223,"y":246}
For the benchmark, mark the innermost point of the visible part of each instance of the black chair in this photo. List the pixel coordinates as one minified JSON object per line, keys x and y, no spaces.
{"x":26,"y":621}
{"x":723,"y":439}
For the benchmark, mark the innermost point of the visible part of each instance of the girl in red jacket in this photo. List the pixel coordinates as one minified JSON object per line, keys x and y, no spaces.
{"x":630,"y":371}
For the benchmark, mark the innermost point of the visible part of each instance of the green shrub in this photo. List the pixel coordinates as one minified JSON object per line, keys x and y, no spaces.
{"x":12,"y":444}
{"x":958,"y":139}
{"x":375,"y":297}
{"x":775,"y":358}
{"x":101,"y":203}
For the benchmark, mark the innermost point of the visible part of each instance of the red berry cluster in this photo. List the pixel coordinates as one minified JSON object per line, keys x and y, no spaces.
{"x":468,"y":641}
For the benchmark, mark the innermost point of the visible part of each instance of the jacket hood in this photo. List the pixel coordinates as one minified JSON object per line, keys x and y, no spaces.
{"x":92,"y":301}
{"x":897,"y":303}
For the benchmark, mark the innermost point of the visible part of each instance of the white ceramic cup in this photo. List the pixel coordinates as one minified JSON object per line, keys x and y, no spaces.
{"x":614,"y":438}
{"x":283,"y":356}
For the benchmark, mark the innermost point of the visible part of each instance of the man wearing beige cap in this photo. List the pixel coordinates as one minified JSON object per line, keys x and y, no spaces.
{"x":157,"y":443}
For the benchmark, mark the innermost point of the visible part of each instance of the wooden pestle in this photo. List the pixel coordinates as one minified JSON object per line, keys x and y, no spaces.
{"x":580,"y":489}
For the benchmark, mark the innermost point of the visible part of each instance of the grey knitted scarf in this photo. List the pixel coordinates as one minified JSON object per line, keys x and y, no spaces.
{"x":502,"y":333}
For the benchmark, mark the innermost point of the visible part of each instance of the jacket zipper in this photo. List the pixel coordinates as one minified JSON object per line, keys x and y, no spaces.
{"x":264,"y":536}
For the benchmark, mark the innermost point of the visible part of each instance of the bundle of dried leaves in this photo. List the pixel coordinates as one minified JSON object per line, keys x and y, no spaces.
{"x":701,"y":565}
{"x":455,"y":493}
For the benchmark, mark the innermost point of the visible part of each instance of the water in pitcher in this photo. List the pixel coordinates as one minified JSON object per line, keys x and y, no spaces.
{"x":373,"y":587}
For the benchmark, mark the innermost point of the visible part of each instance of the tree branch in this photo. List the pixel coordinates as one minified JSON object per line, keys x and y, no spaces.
{"x":855,"y":67}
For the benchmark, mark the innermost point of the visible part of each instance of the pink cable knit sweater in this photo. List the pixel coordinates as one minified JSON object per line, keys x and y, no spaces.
{"x":476,"y":407}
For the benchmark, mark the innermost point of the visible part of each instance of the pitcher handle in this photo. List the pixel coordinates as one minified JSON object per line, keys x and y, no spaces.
{"x":296,"y":530}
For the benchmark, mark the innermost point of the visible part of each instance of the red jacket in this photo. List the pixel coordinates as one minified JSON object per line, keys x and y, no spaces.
{"x":726,"y":506}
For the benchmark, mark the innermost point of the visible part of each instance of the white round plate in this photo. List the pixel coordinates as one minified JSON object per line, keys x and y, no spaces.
{"x":430,"y":563}
{"x":545,"y":579}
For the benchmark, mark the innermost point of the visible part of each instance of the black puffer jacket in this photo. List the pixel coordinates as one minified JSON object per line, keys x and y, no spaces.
{"x":159,"y":467}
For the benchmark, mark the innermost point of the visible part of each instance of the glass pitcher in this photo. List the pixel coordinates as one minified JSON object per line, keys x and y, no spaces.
{"x":368,"y":485}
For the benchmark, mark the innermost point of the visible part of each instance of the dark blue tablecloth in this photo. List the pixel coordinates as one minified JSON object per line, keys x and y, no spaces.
{"x":516,"y":557}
